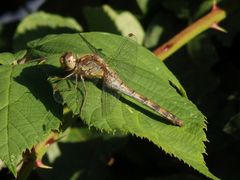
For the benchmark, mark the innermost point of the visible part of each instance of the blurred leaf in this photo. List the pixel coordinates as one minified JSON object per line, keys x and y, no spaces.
{"x":153,"y":35}
{"x":107,"y":19}
{"x":99,"y":19}
{"x":9,"y":58}
{"x":143,"y":5}
{"x":154,"y":32}
{"x":27,"y":111}
{"x":151,"y":79}
{"x":180,"y":7}
{"x":40,"y":24}
{"x":233,"y":126}
{"x":159,"y":29}
{"x":203,"y":8}
{"x":197,"y":51}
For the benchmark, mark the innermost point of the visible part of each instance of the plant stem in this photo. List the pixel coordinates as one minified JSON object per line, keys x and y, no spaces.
{"x":212,"y":18}
{"x":37,"y":152}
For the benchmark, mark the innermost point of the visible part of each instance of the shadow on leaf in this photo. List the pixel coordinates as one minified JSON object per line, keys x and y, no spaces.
{"x":35,"y":79}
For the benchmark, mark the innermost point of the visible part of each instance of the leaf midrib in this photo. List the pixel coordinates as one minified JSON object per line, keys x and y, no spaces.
{"x":8,"y":99}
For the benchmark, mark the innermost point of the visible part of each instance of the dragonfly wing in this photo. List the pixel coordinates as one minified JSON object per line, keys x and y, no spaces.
{"x":91,"y":47}
{"x":124,"y":59}
{"x":108,"y":101}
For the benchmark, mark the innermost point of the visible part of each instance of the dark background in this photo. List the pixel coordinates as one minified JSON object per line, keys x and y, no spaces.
{"x":207,"y":67}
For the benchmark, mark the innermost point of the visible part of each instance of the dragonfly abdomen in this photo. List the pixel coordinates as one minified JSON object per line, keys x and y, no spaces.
{"x":154,"y":106}
{"x":112,"y":80}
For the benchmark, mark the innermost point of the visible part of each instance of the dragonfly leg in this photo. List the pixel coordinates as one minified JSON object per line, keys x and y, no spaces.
{"x":84,"y":85}
{"x":68,"y":76}
{"x":56,"y":78}
{"x":64,"y":78}
{"x":76,"y":81}
{"x":84,"y":92}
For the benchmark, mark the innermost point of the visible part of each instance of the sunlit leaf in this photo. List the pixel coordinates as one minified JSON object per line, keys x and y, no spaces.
{"x":150,"y":79}
{"x":39,"y":24}
{"x":106,"y":19}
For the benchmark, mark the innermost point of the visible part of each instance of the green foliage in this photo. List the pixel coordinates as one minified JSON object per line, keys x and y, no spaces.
{"x":9,"y":58}
{"x":39,"y":24}
{"x":111,"y":21}
{"x":186,"y":142}
{"x":233,"y":126}
{"x":27,"y":111}
{"x":33,"y":97}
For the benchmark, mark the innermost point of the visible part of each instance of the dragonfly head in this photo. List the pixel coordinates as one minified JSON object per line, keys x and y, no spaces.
{"x":68,"y":61}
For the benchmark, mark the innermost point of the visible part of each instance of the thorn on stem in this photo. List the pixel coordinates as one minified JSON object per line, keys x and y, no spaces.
{"x":111,"y":161}
{"x":214,"y":6}
{"x":39,"y":164}
{"x":217,"y":27}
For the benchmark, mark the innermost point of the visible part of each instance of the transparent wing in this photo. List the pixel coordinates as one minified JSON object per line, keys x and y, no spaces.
{"x":91,"y":47}
{"x":108,"y":100}
{"x":124,"y":59}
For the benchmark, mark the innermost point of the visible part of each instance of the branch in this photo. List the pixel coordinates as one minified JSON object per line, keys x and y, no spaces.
{"x":210,"y":20}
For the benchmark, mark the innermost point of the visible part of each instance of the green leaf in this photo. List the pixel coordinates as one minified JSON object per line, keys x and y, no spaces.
{"x":143,"y":5}
{"x":154,"y":32}
{"x":159,"y":30}
{"x":204,"y":8}
{"x":9,"y":58}
{"x":107,"y":19}
{"x":233,"y":126}
{"x":27,"y":111}
{"x":40,"y":24}
{"x":150,"y":79}
{"x":180,"y":7}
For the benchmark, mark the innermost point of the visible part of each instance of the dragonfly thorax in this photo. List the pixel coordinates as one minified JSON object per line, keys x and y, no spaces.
{"x":90,"y":66}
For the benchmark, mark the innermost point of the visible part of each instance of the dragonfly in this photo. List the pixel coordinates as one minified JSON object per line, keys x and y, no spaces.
{"x":95,"y":66}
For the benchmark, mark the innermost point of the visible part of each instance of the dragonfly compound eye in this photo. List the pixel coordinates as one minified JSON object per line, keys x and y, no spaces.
{"x":68,"y":61}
